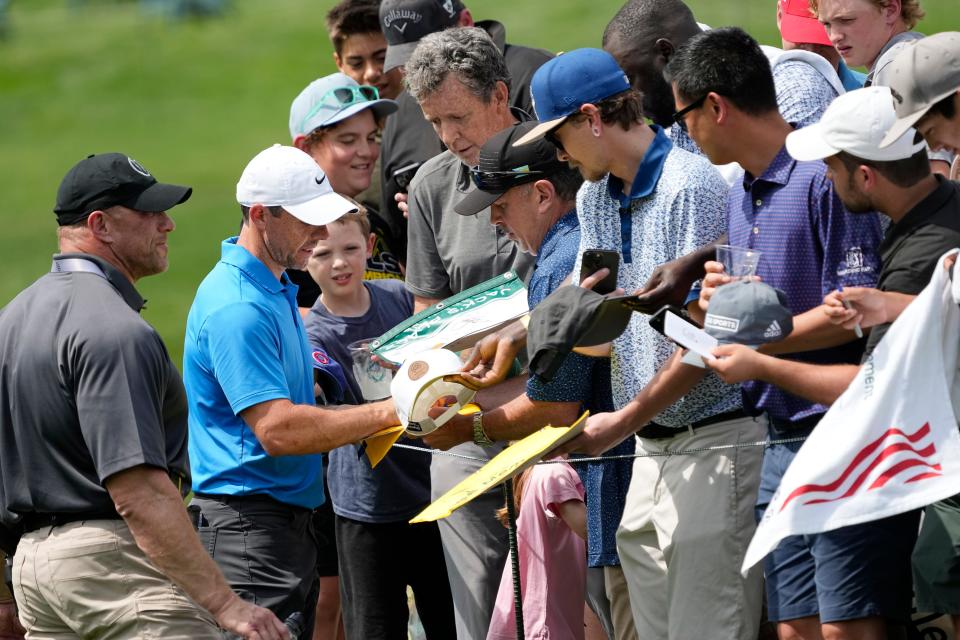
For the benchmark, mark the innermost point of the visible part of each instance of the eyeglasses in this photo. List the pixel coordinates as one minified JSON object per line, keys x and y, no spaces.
{"x":502,"y":180}
{"x":680,"y":116}
{"x":342,"y":97}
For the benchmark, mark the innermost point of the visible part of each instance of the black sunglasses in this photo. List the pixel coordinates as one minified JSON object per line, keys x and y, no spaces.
{"x":679,"y":116}
{"x":500,"y":181}
{"x":551,"y":136}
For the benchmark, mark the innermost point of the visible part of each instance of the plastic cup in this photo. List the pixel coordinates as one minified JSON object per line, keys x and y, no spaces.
{"x":738,"y":262}
{"x":374,"y":380}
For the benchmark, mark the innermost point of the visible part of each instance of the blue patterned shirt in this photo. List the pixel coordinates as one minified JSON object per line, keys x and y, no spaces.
{"x":810,"y":244}
{"x":676,"y":205}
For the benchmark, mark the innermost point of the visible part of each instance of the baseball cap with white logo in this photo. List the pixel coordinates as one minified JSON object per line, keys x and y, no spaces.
{"x":419,"y":384}
{"x":748,"y":312}
{"x":855,"y":122}
{"x":287,"y":177}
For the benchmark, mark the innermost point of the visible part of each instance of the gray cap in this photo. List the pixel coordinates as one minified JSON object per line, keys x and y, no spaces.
{"x":921,"y":75}
{"x":748,"y":312}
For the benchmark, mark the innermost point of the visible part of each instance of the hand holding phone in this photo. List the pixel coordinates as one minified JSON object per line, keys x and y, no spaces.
{"x":596,"y":259}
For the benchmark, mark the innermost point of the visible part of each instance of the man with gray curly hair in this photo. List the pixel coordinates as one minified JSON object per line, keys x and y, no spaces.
{"x":460,"y":79}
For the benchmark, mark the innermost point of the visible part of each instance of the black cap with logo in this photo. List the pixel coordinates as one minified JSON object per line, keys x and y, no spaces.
{"x":404,"y":22}
{"x":110,"y":179}
{"x":503,"y":166}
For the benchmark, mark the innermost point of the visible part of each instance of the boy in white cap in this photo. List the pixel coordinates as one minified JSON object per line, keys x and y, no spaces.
{"x":925,"y":211}
{"x":255,"y":434}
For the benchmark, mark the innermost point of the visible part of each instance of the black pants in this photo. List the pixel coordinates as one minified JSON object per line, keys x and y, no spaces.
{"x":267,"y":550}
{"x":377,"y":562}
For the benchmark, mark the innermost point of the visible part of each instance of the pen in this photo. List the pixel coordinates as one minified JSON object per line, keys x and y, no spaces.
{"x":846,"y":305}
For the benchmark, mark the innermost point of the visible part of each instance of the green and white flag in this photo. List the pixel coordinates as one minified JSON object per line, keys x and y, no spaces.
{"x":457,"y":322}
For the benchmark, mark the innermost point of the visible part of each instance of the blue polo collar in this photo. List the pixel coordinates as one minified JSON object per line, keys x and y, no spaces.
{"x":644,"y":182}
{"x":777,"y":172}
{"x":648,"y":173}
{"x":233,"y":254}
{"x":567,"y":222}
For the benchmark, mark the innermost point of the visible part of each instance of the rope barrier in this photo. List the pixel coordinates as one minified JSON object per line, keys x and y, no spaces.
{"x":626,"y":456}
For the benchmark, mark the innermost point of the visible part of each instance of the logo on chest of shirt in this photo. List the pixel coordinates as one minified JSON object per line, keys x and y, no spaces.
{"x":854,"y":262}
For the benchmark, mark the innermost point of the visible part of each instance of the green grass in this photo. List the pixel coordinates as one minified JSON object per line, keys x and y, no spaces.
{"x":194,"y":101}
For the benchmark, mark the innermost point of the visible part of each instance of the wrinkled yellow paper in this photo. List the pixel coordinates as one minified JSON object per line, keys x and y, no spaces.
{"x":505,"y":465}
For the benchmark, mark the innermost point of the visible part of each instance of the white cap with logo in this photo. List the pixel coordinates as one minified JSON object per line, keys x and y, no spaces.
{"x":856,"y":123}
{"x":419,"y":384}
{"x":287,"y":177}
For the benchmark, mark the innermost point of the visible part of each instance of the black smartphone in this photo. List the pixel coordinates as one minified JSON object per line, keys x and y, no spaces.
{"x":658,"y":319}
{"x":596,"y":259}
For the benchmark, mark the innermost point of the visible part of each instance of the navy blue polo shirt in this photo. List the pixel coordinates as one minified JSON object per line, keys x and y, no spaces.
{"x":810,"y":245}
{"x":245,"y":344}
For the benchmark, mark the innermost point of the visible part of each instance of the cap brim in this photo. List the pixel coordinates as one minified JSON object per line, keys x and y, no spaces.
{"x":808,"y":144}
{"x":321,"y":210}
{"x":802,"y":30}
{"x":159,"y":197}
{"x":540,"y":130}
{"x":476,"y":201}
{"x":381,"y":108}
{"x":609,"y":320}
{"x":398,"y":54}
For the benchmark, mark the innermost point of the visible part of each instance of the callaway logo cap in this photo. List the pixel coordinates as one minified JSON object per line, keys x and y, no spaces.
{"x":332,"y":99}
{"x":748,"y":312}
{"x":920,"y":76}
{"x":503,"y":166}
{"x":405,"y":22}
{"x":419,"y":384}
{"x":799,"y":25}
{"x":102,"y":181}
{"x":564,"y":84}
{"x":287,"y":177}
{"x":855,"y":122}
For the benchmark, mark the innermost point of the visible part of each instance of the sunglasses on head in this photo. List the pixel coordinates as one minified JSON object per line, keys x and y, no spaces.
{"x":680,"y":116}
{"x":343,"y":97}
{"x":502,"y":180}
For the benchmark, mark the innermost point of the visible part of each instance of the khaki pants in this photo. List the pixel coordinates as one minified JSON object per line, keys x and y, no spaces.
{"x":685,"y":528}
{"x":620,"y":612}
{"x":89,"y":579}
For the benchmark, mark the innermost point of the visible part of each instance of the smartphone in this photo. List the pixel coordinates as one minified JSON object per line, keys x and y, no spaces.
{"x":596,"y":259}
{"x":658,"y":319}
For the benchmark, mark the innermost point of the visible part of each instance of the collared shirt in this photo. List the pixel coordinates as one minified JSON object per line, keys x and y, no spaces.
{"x":851,"y":79}
{"x":668,"y":218}
{"x":809,"y":245}
{"x":244,"y":345}
{"x":912,"y":247}
{"x":803,"y":94}
{"x":87,"y":389}
{"x":878,"y":71}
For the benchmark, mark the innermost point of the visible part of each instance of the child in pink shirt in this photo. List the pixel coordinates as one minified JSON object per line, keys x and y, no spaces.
{"x":551,"y":529}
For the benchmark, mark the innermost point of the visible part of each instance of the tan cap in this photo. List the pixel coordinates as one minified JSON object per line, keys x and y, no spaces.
{"x":920,"y":76}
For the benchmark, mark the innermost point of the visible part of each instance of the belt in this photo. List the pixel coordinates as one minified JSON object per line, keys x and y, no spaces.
{"x":654,"y":431}
{"x":34,"y":521}
{"x":809,"y":422}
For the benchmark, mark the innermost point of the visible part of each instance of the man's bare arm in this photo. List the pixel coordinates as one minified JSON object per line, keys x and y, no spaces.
{"x":286,"y":429}
{"x":153,"y":509}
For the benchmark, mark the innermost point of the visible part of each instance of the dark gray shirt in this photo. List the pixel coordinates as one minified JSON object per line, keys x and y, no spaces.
{"x":87,"y":389}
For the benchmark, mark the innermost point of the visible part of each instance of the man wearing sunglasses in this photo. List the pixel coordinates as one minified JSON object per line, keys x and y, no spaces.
{"x":654,"y":202}
{"x":810,"y":245}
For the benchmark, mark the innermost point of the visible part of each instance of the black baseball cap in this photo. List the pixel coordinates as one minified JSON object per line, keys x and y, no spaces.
{"x":748,"y":312}
{"x":572,"y":317}
{"x":503,"y":166}
{"x":404,"y":22}
{"x":110,"y":179}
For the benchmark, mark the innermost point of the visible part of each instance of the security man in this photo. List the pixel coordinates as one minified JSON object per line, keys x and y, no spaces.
{"x":93,"y":432}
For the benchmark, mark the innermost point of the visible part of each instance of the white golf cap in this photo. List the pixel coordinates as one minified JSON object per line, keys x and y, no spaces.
{"x":855,"y":122}
{"x":287,"y":177}
{"x":419,"y":384}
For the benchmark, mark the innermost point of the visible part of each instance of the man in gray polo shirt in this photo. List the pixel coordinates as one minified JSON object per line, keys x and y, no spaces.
{"x":93,"y":426}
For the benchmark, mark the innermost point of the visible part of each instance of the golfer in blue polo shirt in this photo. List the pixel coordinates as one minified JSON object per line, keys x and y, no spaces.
{"x":255,"y":434}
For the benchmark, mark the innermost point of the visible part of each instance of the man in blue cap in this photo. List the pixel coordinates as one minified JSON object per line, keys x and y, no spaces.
{"x":654,"y":202}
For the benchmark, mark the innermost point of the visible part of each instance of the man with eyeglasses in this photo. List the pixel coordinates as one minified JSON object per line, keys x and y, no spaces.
{"x":810,"y":245}
{"x":653,"y":202}
{"x":255,"y":434}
